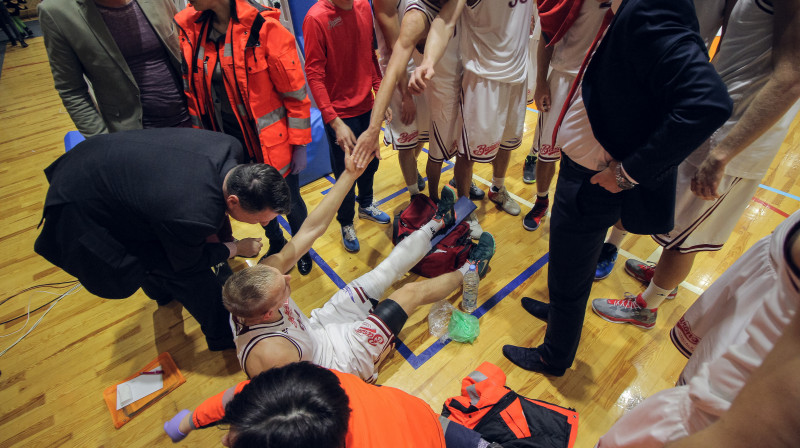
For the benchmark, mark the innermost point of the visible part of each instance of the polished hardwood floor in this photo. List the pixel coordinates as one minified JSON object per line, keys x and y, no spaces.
{"x":51,"y":382}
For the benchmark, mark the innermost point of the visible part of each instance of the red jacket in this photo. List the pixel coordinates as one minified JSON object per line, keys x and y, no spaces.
{"x":263,"y":78}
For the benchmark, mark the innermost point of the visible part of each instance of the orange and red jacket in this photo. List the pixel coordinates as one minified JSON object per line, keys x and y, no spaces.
{"x":380,"y":416}
{"x":262,"y":75}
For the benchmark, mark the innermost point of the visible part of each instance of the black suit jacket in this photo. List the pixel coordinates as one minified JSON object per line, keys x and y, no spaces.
{"x":652,"y":98}
{"x":124,"y":204}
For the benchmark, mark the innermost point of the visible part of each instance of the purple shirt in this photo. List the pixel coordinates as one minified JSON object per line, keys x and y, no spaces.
{"x":159,"y":89}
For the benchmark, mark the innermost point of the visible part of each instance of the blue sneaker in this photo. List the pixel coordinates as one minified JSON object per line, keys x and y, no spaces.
{"x":373,"y":214}
{"x":608,"y":256}
{"x":349,"y":239}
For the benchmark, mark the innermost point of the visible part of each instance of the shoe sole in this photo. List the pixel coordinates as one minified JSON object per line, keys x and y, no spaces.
{"x":615,"y":320}
{"x":634,"y":275}
{"x":351,"y":251}
{"x":499,"y":205}
{"x":528,"y":181}
{"x":605,"y":276}
{"x":371,"y":218}
{"x":531,"y":229}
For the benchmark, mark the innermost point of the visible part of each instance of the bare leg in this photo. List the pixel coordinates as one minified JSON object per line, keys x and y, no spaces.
{"x":673,"y":267}
{"x":434,"y":172}
{"x":463,"y":174}
{"x":408,"y":165}
{"x":500,"y":164}
{"x":412,"y":295}
{"x":544,"y":176}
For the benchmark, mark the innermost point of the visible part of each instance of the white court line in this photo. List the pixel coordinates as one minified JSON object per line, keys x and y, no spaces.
{"x":653,"y":258}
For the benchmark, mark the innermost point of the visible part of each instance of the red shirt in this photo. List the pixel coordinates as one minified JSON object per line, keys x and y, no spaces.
{"x":341,"y":65}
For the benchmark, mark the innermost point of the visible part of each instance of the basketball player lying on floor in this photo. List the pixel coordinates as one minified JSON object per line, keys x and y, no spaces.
{"x":352,"y":332}
{"x":303,"y":405}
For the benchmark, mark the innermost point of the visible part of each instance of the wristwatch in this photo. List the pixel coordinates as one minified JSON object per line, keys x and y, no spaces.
{"x":622,"y":180}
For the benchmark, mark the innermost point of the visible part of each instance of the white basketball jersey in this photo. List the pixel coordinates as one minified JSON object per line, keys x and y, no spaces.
{"x":384,"y":50}
{"x":744,"y":61}
{"x":570,"y":51}
{"x":449,"y":66}
{"x":494,"y":39}
{"x":293,"y":326}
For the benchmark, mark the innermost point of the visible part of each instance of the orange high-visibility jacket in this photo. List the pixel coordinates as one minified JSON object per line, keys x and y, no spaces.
{"x":380,"y":416}
{"x":263,"y":79}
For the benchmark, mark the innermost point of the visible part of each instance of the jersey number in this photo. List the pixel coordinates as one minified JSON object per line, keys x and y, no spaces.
{"x":513,"y":3}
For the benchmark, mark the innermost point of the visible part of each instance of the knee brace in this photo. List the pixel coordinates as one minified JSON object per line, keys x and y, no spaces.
{"x":391,"y":314}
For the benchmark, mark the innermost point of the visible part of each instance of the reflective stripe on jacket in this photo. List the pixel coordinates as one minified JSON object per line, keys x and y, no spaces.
{"x":263,"y":79}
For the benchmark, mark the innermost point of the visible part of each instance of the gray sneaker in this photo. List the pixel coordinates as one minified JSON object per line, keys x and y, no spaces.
{"x":504,"y":201}
{"x":625,"y":311}
{"x":529,"y":170}
{"x":475,"y":230}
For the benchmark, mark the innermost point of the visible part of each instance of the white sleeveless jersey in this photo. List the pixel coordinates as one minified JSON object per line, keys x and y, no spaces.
{"x":744,"y":61}
{"x":494,"y":39}
{"x":293,"y":326}
{"x":449,"y":66}
{"x":383,"y":48}
{"x":569,"y":52}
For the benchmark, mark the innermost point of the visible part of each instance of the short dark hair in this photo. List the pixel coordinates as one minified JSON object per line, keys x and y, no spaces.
{"x":259,"y":187}
{"x":297,"y":405}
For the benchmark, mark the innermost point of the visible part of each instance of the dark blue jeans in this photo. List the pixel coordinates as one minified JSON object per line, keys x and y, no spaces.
{"x":297,"y":215}
{"x":582,"y":213}
{"x":347,"y":210}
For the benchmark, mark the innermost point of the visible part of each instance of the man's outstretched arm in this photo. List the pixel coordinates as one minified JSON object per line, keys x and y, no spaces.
{"x":413,"y":28}
{"x":441,"y":31}
{"x":318,"y":220}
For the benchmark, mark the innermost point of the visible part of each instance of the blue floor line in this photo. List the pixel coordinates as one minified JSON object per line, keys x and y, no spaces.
{"x":417,"y":361}
{"x":783,"y":193}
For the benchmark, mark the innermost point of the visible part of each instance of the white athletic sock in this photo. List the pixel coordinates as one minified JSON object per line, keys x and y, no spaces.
{"x":403,"y":257}
{"x":413,"y":189}
{"x":497,"y":183}
{"x":542,"y":195}
{"x":431,"y":227}
{"x":463,"y":269}
{"x":616,"y":236}
{"x":654,"y":295}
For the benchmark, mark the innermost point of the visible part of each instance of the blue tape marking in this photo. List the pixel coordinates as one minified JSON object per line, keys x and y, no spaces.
{"x":783,"y":193}
{"x":328,"y":270}
{"x":417,"y":361}
{"x":531,"y":109}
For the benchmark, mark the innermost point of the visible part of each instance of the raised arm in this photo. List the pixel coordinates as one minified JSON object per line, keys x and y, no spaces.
{"x":317,"y":221}
{"x":441,"y":31}
{"x":774,"y":99}
{"x":413,"y":28}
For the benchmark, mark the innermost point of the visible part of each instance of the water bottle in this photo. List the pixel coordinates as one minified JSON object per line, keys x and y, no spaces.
{"x":469,"y":299}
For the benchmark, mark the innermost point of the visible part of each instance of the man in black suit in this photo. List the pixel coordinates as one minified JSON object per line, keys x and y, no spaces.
{"x":149,"y":208}
{"x":649,"y":97}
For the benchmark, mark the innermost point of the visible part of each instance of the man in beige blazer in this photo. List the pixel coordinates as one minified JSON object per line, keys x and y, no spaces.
{"x":81,"y":47}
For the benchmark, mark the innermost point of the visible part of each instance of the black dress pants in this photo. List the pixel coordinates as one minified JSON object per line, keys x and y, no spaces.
{"x":347,"y":210}
{"x":582,"y":213}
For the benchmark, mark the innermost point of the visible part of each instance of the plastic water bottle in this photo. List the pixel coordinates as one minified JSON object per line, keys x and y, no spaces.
{"x":469,"y":299}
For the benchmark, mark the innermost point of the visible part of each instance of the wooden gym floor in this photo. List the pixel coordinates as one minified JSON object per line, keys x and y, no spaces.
{"x":52,"y":381}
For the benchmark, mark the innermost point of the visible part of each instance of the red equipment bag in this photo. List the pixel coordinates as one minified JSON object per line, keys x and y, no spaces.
{"x":449,"y":254}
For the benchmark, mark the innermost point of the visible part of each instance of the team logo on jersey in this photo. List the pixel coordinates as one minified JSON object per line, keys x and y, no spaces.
{"x":335,"y":22}
{"x":485,"y":149}
{"x":407,"y":137}
{"x":373,"y":338}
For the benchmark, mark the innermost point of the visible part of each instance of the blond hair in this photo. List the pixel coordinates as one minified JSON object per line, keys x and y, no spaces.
{"x":247,"y":292}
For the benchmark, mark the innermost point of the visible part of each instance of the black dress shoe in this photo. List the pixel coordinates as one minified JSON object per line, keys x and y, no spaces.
{"x":538,"y":309}
{"x":530,"y":359}
{"x":304,"y":264}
